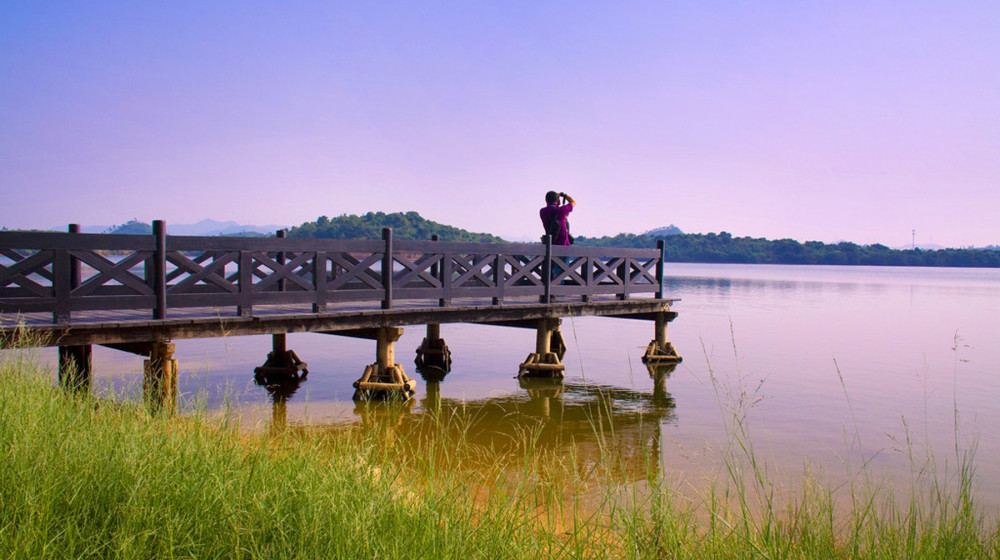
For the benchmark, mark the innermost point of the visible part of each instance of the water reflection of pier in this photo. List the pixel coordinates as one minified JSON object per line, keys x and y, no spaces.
{"x":598,"y":424}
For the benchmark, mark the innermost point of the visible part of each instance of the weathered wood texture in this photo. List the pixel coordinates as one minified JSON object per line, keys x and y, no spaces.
{"x":350,"y":322}
{"x":67,"y":274}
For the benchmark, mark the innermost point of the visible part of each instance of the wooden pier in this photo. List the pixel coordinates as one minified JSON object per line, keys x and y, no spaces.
{"x":138,"y":293}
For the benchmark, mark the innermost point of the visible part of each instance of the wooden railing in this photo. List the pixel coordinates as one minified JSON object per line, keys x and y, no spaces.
{"x":63,"y":273}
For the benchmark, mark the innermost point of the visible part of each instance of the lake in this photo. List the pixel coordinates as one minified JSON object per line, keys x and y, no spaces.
{"x":827,"y":366}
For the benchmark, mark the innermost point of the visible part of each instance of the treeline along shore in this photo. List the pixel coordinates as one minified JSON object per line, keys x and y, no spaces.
{"x":724,"y":248}
{"x":680,"y":247}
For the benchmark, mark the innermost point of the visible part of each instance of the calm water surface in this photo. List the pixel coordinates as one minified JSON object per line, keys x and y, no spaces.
{"x":828,"y":364}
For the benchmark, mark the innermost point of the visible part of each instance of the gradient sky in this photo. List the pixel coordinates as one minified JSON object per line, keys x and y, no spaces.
{"x":827,"y":121}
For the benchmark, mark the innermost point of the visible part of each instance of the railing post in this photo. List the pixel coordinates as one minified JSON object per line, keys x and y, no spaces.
{"x":659,"y":267}
{"x":435,"y":267}
{"x":498,"y":278}
{"x":625,"y":274}
{"x":75,"y":275}
{"x":65,"y":278}
{"x":319,"y":281}
{"x":61,"y":285}
{"x":387,"y":268}
{"x":446,"y":264}
{"x":547,"y":271}
{"x":160,"y":268}
{"x":245,"y":307}
{"x":280,"y":258}
{"x":437,"y":271}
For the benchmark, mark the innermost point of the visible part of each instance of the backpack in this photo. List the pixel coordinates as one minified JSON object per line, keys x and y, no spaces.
{"x":552,"y":227}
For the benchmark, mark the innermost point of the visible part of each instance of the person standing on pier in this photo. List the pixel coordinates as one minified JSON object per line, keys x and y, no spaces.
{"x":554,"y":217}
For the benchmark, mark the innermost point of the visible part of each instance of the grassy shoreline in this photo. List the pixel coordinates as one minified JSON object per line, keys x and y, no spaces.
{"x":84,"y":478}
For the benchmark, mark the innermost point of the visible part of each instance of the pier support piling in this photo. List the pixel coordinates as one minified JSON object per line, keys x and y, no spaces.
{"x":385,"y":378}
{"x":433,"y":359}
{"x":544,"y":362}
{"x":159,"y":382}
{"x":75,"y":367}
{"x":281,"y":364}
{"x":660,"y":350}
{"x":557,"y":343}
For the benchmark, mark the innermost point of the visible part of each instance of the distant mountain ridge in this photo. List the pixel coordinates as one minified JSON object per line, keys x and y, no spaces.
{"x":207,"y":227}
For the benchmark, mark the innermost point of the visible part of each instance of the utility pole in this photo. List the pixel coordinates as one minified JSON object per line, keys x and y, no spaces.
{"x":914,"y":239}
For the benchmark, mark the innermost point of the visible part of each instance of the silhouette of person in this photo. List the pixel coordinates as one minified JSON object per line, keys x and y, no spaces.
{"x":554,"y":217}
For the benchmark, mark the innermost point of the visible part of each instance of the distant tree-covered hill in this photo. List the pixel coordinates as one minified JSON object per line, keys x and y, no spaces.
{"x":132,"y":227}
{"x":669,"y":230}
{"x":369,"y":226}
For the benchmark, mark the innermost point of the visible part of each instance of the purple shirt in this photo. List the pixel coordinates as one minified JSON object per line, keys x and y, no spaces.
{"x":560,"y":213}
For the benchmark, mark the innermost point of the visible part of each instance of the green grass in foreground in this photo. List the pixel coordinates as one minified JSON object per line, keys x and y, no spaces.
{"x":82,"y":478}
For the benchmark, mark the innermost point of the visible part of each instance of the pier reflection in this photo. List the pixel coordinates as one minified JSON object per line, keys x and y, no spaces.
{"x":659,"y":373}
{"x":614,"y":430}
{"x":280,"y":387}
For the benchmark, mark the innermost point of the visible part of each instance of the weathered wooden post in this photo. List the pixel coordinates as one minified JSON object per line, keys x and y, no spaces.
{"x":280,"y":259}
{"x":499,"y":278}
{"x":659,"y":268}
{"x":282,"y":364}
{"x":385,"y":378}
{"x":320,"y":279}
{"x":557,"y":343}
{"x":245,"y":284}
{"x":76,"y":273}
{"x":75,"y":367}
{"x":660,"y":350}
{"x":445,"y":278}
{"x":160,"y":268}
{"x":587,"y":272}
{"x":547,"y":270}
{"x":159,"y":383}
{"x":75,"y":362}
{"x":543,"y":362}
{"x":625,"y":274}
{"x":61,"y":290}
{"x":433,"y":359}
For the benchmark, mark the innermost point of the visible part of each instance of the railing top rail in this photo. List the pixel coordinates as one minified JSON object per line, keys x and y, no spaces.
{"x":578,"y":251}
{"x":46,"y":240}
{"x":36,"y":240}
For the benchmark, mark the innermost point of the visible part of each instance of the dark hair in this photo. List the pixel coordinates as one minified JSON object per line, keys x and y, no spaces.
{"x":551,"y":197}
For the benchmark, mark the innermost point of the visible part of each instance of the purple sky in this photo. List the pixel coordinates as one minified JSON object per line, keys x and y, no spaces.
{"x":826,"y":121}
